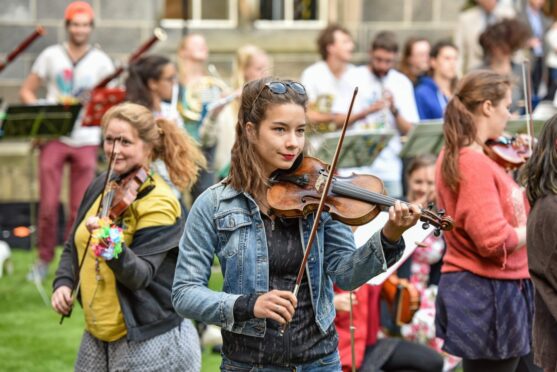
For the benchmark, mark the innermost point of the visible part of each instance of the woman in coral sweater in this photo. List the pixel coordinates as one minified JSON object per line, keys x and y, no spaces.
{"x":485,"y":302}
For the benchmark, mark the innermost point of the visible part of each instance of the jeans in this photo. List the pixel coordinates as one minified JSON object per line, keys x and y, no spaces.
{"x":329,"y":363}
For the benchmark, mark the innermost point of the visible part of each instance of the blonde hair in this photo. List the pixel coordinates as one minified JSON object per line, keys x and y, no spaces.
{"x":171,"y":144}
{"x":243,"y":59}
{"x":182,"y":45}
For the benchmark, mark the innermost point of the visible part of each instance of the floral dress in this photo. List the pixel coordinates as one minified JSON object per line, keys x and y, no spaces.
{"x":422,"y":327}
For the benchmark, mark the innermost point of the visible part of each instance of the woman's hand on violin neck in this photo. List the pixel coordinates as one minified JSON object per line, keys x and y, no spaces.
{"x":401,"y":218}
{"x":276,"y":305}
{"x":523,"y":140}
{"x":61,"y":300}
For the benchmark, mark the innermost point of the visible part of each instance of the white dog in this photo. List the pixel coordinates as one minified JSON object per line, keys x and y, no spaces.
{"x":6,"y":264}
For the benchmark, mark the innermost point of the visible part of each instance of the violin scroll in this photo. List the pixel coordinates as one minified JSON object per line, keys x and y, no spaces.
{"x":437,"y":219}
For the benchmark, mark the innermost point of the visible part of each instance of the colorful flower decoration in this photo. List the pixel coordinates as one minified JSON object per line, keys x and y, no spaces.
{"x":107,"y":240}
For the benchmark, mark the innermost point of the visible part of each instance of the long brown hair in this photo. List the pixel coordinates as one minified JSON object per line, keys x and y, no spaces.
{"x":539,"y":174}
{"x":436,"y":49}
{"x":407,"y":51}
{"x":171,"y":144}
{"x":459,"y":127}
{"x":139,"y":73}
{"x":246,"y":169}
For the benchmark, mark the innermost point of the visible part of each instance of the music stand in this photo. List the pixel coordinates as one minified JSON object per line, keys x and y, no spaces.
{"x":39,"y":121}
{"x":520,"y":126}
{"x":360,"y":146}
{"x":425,"y":138}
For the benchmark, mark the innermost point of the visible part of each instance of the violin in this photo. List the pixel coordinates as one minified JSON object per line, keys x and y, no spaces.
{"x":403,"y":299}
{"x":509,"y":152}
{"x":121,"y":194}
{"x":353,"y":200}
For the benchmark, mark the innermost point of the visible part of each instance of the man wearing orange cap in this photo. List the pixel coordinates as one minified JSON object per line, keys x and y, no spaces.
{"x":67,"y":70}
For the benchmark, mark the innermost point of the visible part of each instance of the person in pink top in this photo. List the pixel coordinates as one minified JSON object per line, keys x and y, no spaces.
{"x":484,"y":306}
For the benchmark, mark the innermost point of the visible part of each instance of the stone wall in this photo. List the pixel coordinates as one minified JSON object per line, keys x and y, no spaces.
{"x":122,"y":25}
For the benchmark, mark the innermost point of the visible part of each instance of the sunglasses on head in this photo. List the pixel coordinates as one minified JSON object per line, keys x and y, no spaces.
{"x":281,"y":87}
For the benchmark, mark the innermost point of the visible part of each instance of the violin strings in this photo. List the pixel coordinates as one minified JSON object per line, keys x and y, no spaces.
{"x":360,"y":193}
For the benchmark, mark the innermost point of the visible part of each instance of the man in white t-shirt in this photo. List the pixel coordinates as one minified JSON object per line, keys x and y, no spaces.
{"x":330,"y":79}
{"x":382,"y":87}
{"x":68,"y":70}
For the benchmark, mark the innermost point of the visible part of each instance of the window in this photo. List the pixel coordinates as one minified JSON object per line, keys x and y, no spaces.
{"x":201,"y":14}
{"x":292,"y":14}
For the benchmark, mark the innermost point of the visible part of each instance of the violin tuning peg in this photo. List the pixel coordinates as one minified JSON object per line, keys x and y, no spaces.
{"x":437,"y":232}
{"x":441,"y":212}
{"x":425,"y":225}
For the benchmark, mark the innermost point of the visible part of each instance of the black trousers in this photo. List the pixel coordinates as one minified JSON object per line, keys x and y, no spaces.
{"x":519,"y":364}
{"x":407,"y":356}
{"x":537,"y":75}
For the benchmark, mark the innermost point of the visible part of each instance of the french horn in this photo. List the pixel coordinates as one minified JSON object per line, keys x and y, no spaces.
{"x":198,"y":94}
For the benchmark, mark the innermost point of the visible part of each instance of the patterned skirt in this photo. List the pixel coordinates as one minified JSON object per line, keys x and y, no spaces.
{"x":482,"y":318}
{"x":175,"y":350}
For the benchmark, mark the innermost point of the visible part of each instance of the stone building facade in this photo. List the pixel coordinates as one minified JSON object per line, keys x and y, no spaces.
{"x":120,"y":26}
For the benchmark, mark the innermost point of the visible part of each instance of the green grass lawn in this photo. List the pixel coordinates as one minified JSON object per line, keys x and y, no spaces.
{"x":31,"y":338}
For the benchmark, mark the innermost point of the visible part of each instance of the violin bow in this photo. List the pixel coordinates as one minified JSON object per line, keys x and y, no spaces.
{"x":75,"y":289}
{"x":324,"y":194}
{"x":528,"y":102}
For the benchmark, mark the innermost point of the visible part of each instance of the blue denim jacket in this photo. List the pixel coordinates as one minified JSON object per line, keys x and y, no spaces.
{"x":227,"y":222}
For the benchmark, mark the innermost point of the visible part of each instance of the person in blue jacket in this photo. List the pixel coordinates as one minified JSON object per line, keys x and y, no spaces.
{"x":260,"y":252}
{"x":434,"y":91}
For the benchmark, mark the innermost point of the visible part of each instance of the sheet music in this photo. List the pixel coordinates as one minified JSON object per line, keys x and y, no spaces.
{"x":414,"y":235}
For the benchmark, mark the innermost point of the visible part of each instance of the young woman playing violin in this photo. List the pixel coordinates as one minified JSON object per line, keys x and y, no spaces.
{"x":260,"y":253}
{"x":126,"y":264}
{"x":485,"y":301}
{"x":540,"y":177}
